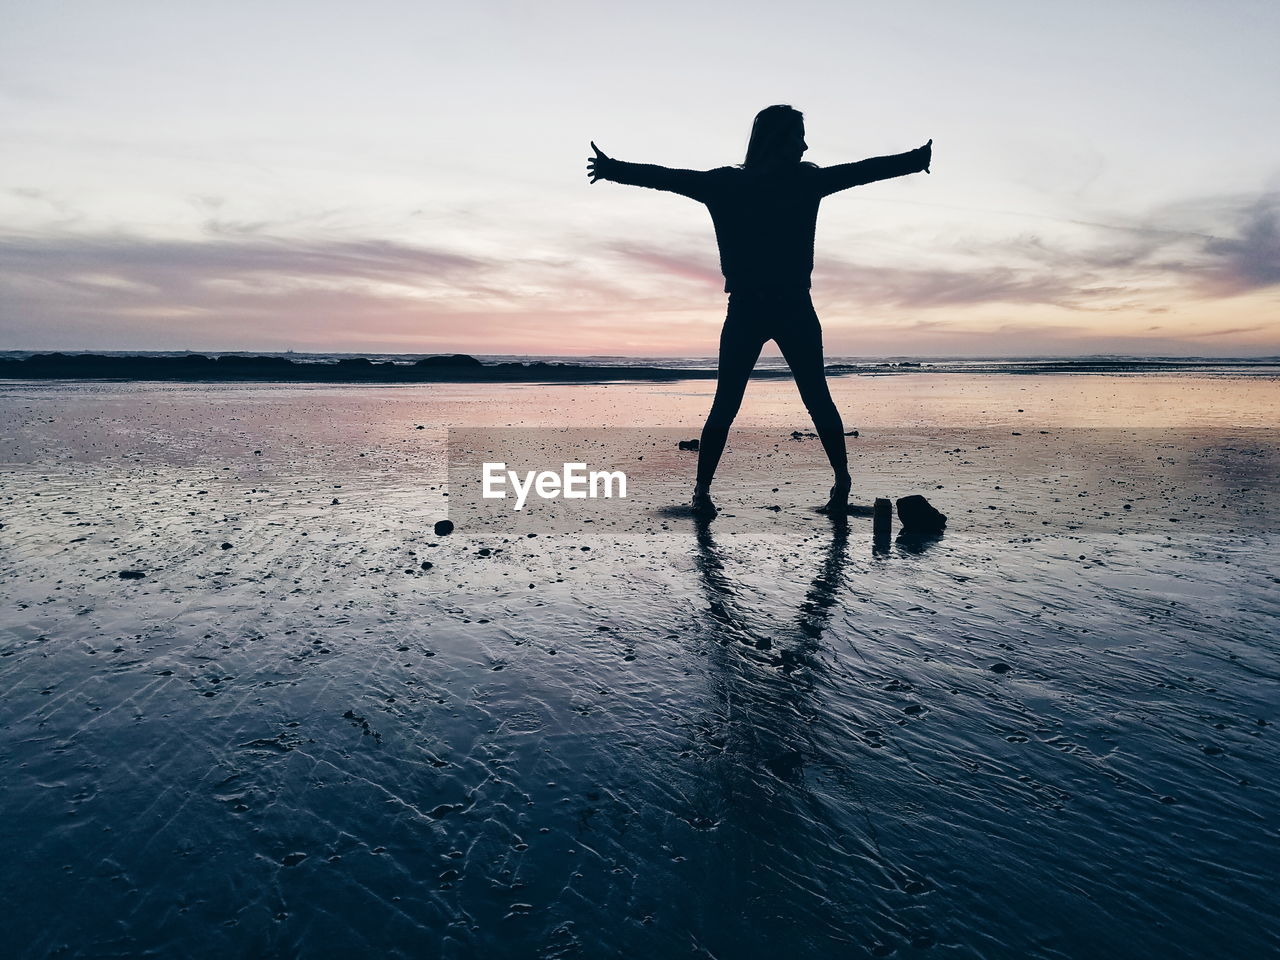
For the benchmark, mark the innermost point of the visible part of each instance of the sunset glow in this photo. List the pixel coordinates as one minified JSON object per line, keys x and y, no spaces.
{"x":410,"y":178}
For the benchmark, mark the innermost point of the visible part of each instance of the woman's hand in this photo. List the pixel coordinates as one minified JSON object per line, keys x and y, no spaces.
{"x":596,"y":165}
{"x":926,"y":153}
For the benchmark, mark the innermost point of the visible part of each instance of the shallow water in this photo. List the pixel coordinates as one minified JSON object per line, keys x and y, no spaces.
{"x":767,"y":736}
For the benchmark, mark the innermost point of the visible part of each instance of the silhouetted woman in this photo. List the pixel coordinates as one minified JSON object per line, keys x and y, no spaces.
{"x":765,"y":213}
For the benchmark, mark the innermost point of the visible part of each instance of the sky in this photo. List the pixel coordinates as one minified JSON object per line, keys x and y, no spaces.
{"x":410,"y":177}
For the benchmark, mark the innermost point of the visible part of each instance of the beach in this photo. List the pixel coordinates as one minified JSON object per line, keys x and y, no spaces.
{"x":256,"y":706}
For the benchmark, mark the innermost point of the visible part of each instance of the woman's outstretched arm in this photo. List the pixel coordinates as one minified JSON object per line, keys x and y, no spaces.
{"x":688,"y":183}
{"x":846,"y":175}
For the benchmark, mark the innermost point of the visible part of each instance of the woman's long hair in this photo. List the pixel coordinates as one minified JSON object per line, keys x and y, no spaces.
{"x":771,"y":126}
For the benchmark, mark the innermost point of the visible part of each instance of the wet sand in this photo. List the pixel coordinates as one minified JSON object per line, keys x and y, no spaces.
{"x":305,"y":725}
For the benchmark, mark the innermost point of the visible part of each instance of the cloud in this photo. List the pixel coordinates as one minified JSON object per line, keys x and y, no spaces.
{"x":1250,"y":260}
{"x":166,"y":264}
{"x":242,"y":283}
{"x":1212,"y":247}
{"x":72,"y":289}
{"x":991,"y":277}
{"x":1215,"y":246}
{"x":699,"y":267}
{"x":940,"y":287}
{"x":1228,"y":331}
{"x":238,"y":286}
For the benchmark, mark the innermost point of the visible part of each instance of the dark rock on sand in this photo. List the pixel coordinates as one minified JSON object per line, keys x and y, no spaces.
{"x":918,"y":515}
{"x":688,"y":444}
{"x":448,"y":360}
{"x":443,"y":528}
{"x":1000,"y":668}
{"x":131,"y":574}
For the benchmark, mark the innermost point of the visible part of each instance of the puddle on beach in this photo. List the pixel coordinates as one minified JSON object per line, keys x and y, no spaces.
{"x":306,"y":725}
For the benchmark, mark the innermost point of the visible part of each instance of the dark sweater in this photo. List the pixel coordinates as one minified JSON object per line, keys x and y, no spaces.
{"x":764,"y":221}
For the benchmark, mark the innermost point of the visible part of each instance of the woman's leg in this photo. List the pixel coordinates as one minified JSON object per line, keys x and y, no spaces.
{"x":801,"y":346}
{"x":740,"y":344}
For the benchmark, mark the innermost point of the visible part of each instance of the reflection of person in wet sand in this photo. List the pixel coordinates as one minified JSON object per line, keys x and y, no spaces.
{"x":761,"y":738}
{"x":815,"y":610}
{"x":765,"y":213}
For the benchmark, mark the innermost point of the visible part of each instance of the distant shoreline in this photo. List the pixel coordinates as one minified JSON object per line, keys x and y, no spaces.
{"x":197,"y":368}
{"x":463,"y":368}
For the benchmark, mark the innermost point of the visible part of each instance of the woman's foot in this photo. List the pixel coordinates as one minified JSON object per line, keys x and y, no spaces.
{"x":703,"y":507}
{"x":838,"y":502}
